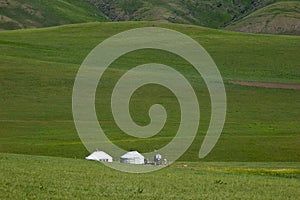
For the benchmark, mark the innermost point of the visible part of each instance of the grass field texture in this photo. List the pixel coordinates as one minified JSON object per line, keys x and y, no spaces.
{"x":257,"y":156}
{"x":38,"y":68}
{"x":36,"y":177}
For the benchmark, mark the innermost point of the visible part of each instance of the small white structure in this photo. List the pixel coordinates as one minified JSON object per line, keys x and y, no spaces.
{"x":100,"y":156}
{"x":133,"y":157}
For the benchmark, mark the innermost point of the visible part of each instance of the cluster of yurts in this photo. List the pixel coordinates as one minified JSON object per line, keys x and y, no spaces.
{"x":131,"y":157}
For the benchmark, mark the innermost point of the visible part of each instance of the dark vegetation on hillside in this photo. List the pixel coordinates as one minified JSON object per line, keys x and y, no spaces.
{"x":215,"y":13}
{"x":277,"y":18}
{"x":19,"y":14}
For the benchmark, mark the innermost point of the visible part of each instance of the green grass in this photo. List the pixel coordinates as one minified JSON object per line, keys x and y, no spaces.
{"x":34,"y":177}
{"x":38,"y":69}
{"x":42,"y":13}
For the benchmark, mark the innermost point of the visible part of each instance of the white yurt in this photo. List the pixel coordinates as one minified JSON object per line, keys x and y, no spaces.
{"x":132,"y":157}
{"x":100,"y":156}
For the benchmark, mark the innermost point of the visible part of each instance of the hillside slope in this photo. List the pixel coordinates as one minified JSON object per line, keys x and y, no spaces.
{"x":38,"y":68}
{"x":215,"y":13}
{"x":16,"y":14}
{"x":19,"y":14}
{"x":277,"y":18}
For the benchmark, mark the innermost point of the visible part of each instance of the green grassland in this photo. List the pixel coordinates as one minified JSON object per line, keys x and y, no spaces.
{"x":257,"y":156}
{"x":277,"y":18}
{"x":37,"y":177}
{"x":38,"y":69}
{"x":16,"y":14}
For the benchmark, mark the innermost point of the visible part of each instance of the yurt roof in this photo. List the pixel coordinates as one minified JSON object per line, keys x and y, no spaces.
{"x":99,"y":154}
{"x":132,"y":154}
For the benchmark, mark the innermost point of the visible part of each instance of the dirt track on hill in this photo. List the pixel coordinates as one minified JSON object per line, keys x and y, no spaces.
{"x":267,"y":85}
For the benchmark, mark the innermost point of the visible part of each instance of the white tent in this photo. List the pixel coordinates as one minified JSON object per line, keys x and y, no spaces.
{"x":132,"y":157}
{"x":100,"y":156}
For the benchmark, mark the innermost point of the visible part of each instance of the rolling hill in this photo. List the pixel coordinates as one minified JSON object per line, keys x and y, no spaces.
{"x":255,"y":16}
{"x":215,"y":13}
{"x":38,"y":68}
{"x":257,"y":156}
{"x":19,"y":14}
{"x":277,"y":18}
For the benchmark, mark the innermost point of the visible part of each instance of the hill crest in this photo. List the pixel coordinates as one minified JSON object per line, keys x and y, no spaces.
{"x":277,"y":18}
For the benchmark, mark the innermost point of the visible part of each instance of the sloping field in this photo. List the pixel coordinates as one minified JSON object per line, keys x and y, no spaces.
{"x":278,"y":18}
{"x":34,"y":177}
{"x":19,"y":14}
{"x":38,"y":69}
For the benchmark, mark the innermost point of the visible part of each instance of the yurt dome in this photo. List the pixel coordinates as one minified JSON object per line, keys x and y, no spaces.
{"x":132,"y":157}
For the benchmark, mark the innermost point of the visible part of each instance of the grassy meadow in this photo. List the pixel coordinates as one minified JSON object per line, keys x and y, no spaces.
{"x":38,"y":68}
{"x":29,"y":177}
{"x":37,"y":73}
